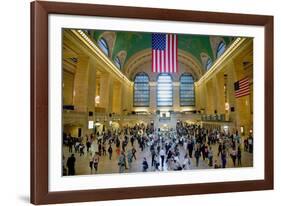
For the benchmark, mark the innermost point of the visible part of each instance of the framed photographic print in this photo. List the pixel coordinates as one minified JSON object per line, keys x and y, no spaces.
{"x":133,"y":102}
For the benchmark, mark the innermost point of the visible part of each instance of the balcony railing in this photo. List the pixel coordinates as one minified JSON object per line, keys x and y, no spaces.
{"x":214,"y":117}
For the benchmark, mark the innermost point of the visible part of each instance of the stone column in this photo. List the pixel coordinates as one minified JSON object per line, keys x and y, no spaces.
{"x":80,"y":92}
{"x":219,"y":92}
{"x":153,"y":96}
{"x":92,"y":87}
{"x":106,"y":92}
{"x":116,"y":97}
{"x":176,"y":96}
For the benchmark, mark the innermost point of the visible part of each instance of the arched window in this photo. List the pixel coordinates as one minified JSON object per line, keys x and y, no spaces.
{"x":164,"y":90}
{"x":141,"y":90}
{"x":103,"y":46}
{"x":117,"y":62}
{"x":220,"y":49}
{"x":187,"y":90}
{"x":208,"y":63}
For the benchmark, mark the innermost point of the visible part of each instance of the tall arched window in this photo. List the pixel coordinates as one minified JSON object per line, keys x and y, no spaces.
{"x":117,"y":62}
{"x":141,"y":90}
{"x":220,"y":49}
{"x":103,"y":46}
{"x":208,"y":63}
{"x":164,"y":90}
{"x":187,"y":90}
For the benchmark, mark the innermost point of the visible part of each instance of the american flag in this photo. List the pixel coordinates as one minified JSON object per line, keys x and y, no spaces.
{"x":242,"y":87}
{"x":164,"y":53}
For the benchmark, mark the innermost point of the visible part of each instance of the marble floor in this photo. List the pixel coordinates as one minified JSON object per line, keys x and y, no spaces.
{"x":107,"y":166}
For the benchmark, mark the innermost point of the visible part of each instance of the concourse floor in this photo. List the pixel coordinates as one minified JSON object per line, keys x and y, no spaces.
{"x":107,"y":166}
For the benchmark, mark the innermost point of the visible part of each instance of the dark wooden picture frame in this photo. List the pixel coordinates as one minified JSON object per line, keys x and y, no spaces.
{"x":39,"y":102}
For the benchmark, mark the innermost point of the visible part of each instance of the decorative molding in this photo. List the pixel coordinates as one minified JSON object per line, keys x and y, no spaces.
{"x":136,"y":63}
{"x":214,"y":41}
{"x":233,"y":50}
{"x":92,"y":49}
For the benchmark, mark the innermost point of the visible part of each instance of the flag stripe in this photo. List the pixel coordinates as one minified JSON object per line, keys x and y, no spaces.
{"x":174,"y":54}
{"x":164,"y":53}
{"x":177,"y":69}
{"x":153,"y":60}
{"x":242,"y":87}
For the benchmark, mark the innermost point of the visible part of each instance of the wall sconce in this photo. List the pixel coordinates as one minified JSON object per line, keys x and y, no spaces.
{"x":97,"y":99}
{"x":226,"y":106}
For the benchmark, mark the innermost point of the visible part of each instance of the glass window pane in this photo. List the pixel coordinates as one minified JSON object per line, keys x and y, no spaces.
{"x":117,"y":62}
{"x":220,"y":49}
{"x":103,"y":46}
{"x":187,"y":90}
{"x":141,"y":90}
{"x":209,"y":63}
{"x":164,"y":90}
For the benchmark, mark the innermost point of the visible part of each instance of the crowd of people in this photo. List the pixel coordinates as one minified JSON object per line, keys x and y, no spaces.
{"x":181,"y":148}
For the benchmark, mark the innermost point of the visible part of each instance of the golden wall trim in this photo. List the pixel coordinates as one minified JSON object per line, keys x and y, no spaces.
{"x":233,"y":50}
{"x":100,"y":56}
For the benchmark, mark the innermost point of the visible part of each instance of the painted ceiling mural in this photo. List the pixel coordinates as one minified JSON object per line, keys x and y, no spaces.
{"x":134,"y":42}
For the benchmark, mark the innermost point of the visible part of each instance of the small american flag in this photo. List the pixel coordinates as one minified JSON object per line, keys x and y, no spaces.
{"x":164,"y":53}
{"x":242,"y":87}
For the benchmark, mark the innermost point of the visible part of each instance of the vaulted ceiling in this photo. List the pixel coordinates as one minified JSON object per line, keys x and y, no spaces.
{"x":134,"y":42}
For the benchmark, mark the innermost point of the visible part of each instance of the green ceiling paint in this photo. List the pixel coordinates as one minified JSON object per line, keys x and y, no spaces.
{"x":133,"y":42}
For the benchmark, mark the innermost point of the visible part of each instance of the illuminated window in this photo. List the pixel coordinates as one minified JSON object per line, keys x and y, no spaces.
{"x":187,"y":90}
{"x":208,"y":64}
{"x":164,"y":90}
{"x":103,"y":46}
{"x":117,"y":62}
{"x":141,"y":90}
{"x":220,"y":49}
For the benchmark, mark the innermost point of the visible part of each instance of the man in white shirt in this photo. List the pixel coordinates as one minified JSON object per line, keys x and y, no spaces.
{"x":162,"y":155}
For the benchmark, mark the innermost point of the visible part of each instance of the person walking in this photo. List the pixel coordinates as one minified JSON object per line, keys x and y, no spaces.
{"x":144,"y":165}
{"x":71,"y":165}
{"x":91,"y":163}
{"x":233,"y":156}
{"x":190,"y":148}
{"x":210,"y":156}
{"x":134,"y":151}
{"x":70,"y":144}
{"x":223,"y":158}
{"x":122,"y":162}
{"x":88,"y":145}
{"x":197,"y":156}
{"x":239,"y":156}
{"x":110,"y":151}
{"x":186,"y":162}
{"x":153,"y":155}
{"x":130,"y":158}
{"x":96,"y":161}
{"x":162,"y":156}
